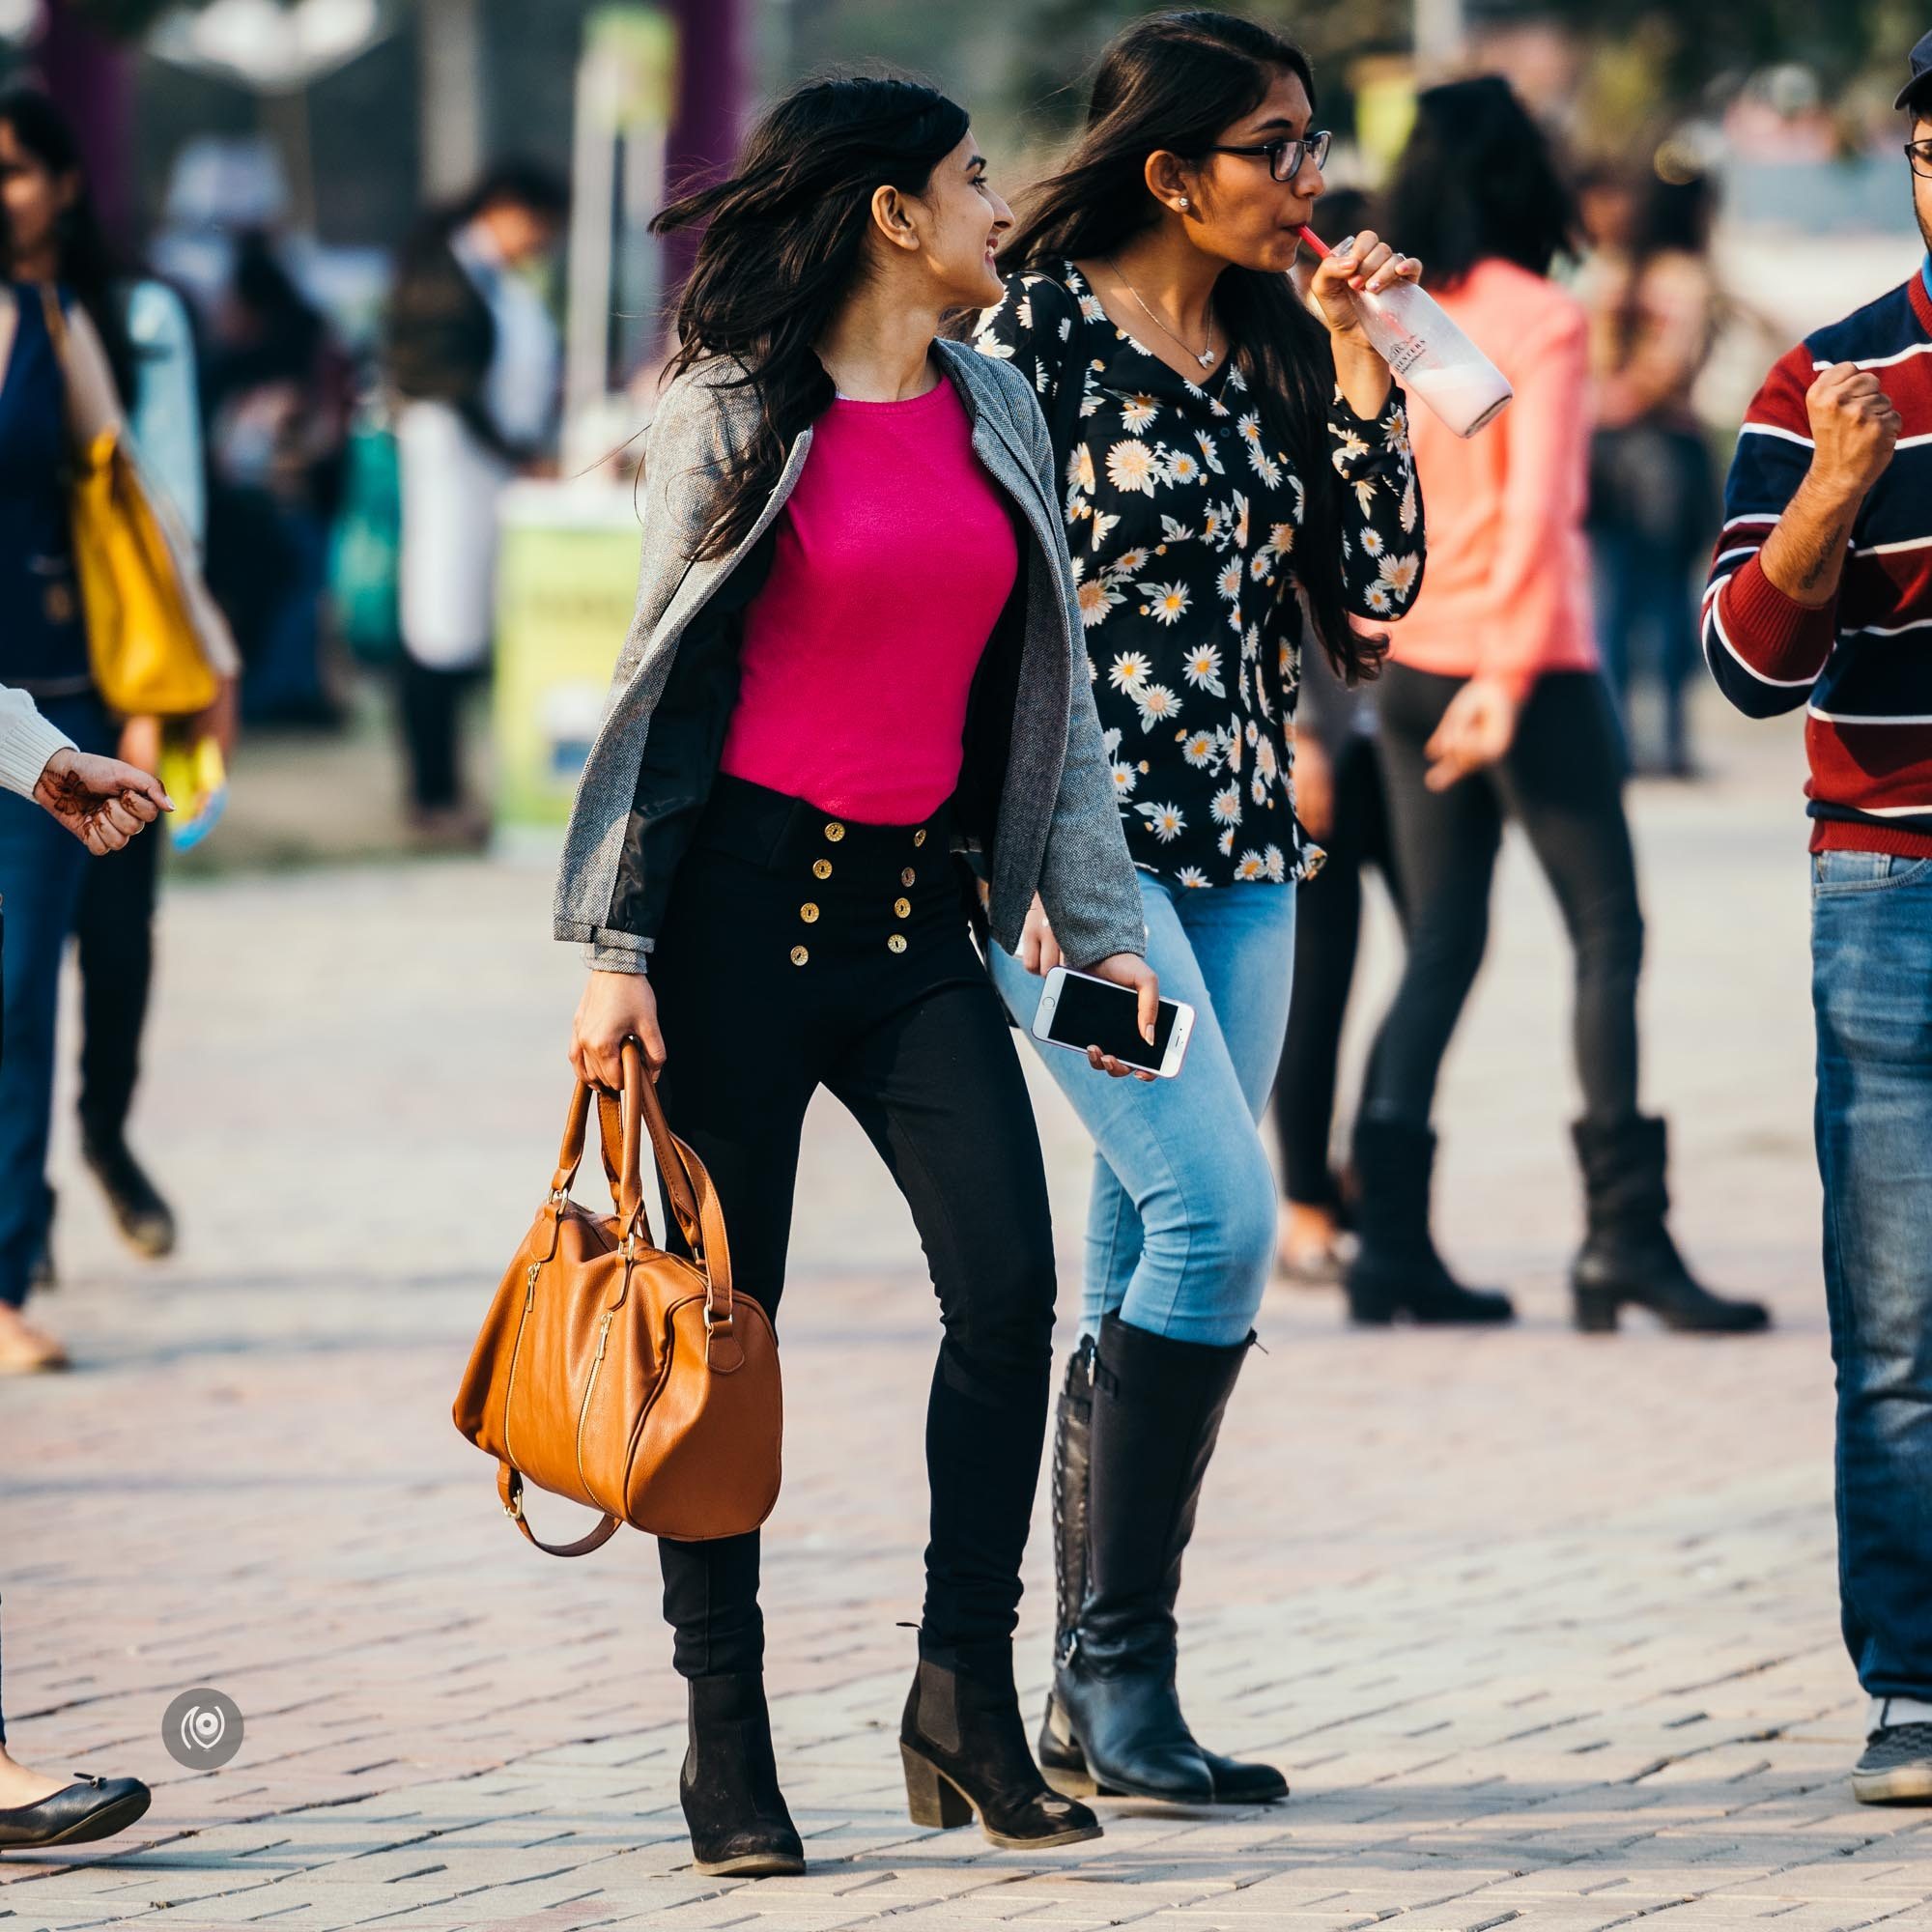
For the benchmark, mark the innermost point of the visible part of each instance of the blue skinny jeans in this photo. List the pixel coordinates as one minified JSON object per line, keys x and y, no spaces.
{"x":1181,"y":1228}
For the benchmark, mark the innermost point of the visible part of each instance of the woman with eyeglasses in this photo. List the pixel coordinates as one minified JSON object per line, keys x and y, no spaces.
{"x":1228,"y":454}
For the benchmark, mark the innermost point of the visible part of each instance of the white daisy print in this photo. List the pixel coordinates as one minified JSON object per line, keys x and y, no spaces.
{"x":1276,"y":863}
{"x":1165,"y":821}
{"x":1183,"y":468}
{"x":1229,"y":581}
{"x":1096,"y":597}
{"x":1080,"y":470}
{"x":1202,"y":669}
{"x":1252,"y":865}
{"x":1210,"y":457}
{"x":1138,"y":412}
{"x":1198,"y":749}
{"x":1225,"y":844}
{"x":1227,"y":806}
{"x":1103,"y":529}
{"x":1192,"y":876}
{"x":1131,"y":468}
{"x":1125,"y":779}
{"x":1400,"y":574}
{"x":1156,"y":704}
{"x":1129,"y":671}
{"x":1167,"y":603}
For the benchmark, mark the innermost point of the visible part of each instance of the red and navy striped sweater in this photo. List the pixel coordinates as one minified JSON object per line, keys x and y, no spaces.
{"x":1862,"y":666}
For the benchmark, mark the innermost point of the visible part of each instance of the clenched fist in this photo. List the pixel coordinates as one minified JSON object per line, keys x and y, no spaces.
{"x":1853,"y":426}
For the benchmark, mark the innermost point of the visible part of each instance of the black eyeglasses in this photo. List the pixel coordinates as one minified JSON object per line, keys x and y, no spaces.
{"x":1920,"y":155}
{"x":1285,"y":157}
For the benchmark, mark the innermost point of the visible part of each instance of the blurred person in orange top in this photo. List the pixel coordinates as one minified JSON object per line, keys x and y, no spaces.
{"x":1653,"y":308}
{"x":1493,"y":705}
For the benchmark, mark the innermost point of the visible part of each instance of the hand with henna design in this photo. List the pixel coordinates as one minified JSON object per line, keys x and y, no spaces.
{"x":102,"y":801}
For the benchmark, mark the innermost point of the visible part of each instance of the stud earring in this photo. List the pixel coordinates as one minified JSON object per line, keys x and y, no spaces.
{"x":1185,"y":203}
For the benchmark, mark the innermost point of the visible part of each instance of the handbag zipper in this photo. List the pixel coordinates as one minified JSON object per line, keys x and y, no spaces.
{"x":582,"y":1413}
{"x":516,"y":1355}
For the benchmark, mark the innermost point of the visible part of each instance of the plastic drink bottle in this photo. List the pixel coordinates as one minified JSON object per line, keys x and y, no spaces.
{"x":1426,"y":354}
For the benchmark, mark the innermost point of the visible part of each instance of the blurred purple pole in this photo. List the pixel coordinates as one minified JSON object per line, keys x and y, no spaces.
{"x":92,"y":79}
{"x":711,"y":71}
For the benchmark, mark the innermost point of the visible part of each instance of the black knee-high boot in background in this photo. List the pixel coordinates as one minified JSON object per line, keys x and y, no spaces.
{"x":739,"y":1824}
{"x":1628,"y":1258}
{"x":1060,"y":1752}
{"x":1155,"y":1414}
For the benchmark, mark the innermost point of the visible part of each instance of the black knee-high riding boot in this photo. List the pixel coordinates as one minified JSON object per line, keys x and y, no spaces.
{"x":1156,"y":1412}
{"x":1060,"y":1752}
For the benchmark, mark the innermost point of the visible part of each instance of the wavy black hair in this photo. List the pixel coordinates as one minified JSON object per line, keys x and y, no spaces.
{"x":1178,"y":81}
{"x":783,"y":248}
{"x":1479,"y":181}
{"x":88,"y":265}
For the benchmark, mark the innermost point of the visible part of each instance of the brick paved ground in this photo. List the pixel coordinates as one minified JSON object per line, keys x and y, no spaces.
{"x":1542,"y":1627}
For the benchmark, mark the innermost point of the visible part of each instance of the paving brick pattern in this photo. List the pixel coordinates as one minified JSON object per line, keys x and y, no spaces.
{"x":1543,"y":1627}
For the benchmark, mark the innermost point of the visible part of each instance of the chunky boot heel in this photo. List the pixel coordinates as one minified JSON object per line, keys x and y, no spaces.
{"x":1596,"y":1310}
{"x":1371,"y":1303}
{"x":932,"y":1799}
{"x":729,"y":1785}
{"x":1628,"y":1258}
{"x":965,"y":1751}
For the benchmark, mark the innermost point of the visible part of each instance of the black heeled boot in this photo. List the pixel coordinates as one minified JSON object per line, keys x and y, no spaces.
{"x":729,"y":1784}
{"x":965,"y":1750}
{"x":1061,"y":1756}
{"x":1628,"y":1258}
{"x":1396,"y":1271}
{"x":1156,"y":1412}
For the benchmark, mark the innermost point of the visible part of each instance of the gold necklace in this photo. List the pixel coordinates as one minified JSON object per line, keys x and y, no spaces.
{"x":1205,"y":356}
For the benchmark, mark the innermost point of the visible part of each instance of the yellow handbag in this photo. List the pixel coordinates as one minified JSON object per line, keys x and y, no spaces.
{"x":142,"y":638}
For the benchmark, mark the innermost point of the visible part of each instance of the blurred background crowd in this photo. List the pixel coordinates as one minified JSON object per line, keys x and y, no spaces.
{"x":339,"y":192}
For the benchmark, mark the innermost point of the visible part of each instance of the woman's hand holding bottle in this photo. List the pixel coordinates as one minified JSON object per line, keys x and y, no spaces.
{"x":1364,"y":264}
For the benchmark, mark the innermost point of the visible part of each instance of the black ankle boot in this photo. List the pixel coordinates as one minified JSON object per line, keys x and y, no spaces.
{"x":1396,"y":1271}
{"x":146,"y":1221}
{"x":1627,"y":1256}
{"x":1061,"y":1755}
{"x":729,"y":1784}
{"x":965,"y":1750}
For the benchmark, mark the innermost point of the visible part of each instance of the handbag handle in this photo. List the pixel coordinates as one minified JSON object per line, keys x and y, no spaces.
{"x":687,"y":1186}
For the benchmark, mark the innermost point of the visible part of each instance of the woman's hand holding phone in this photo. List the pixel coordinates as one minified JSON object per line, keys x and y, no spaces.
{"x":615,"y":1007}
{"x":1039,"y":954}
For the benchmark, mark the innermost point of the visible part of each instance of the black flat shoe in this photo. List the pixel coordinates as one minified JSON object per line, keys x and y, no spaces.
{"x":740,"y":1827}
{"x":88,"y":1809}
{"x":147,"y":1223}
{"x":965,"y":1751}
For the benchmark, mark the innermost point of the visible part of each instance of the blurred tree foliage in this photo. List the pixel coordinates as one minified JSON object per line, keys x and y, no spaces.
{"x":1683,"y":45}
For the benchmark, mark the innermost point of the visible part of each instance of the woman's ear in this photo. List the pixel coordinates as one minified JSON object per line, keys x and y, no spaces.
{"x":1170,"y":180}
{"x":67,"y":189}
{"x":893,"y":217}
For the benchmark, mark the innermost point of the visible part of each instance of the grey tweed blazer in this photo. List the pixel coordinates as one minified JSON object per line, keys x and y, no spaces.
{"x":1058,"y":830}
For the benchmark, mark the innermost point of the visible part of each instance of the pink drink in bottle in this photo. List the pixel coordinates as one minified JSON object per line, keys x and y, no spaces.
{"x":1426,"y":354}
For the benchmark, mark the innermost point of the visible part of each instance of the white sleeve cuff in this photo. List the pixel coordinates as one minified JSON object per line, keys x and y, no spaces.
{"x":27,"y":741}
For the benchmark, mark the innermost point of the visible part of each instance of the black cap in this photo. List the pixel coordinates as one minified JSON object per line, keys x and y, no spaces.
{"x":1922,"y":67}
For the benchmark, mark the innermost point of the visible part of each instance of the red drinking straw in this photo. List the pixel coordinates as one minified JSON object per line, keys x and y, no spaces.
{"x":1315,"y":241}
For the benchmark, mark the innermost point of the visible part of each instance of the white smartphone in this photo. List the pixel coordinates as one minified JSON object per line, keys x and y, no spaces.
{"x":1077,"y":1011}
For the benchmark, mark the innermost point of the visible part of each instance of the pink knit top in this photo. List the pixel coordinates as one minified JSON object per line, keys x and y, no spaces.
{"x":896,"y":553}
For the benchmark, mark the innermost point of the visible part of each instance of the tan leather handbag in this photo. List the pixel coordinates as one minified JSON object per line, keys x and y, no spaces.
{"x":618,"y":1374}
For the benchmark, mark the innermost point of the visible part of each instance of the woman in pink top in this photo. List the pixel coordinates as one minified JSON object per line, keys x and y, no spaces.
{"x":1492,"y":705}
{"x":856,"y":651}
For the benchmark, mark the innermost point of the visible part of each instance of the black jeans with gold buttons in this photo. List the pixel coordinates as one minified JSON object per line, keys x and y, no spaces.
{"x":801,"y":951}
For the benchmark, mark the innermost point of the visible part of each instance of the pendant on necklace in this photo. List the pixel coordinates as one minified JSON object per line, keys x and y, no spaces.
{"x":1206,"y":359}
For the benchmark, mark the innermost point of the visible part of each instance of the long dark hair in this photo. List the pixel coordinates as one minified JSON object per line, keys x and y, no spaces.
{"x":1178,"y":81}
{"x":782,"y":246}
{"x":1674,"y":214}
{"x":1479,"y":180}
{"x":88,"y":264}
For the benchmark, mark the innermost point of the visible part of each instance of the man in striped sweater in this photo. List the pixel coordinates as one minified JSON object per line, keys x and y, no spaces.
{"x":1821,"y":596}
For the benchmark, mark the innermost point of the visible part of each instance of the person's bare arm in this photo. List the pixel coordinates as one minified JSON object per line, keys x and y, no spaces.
{"x":1853,"y":430}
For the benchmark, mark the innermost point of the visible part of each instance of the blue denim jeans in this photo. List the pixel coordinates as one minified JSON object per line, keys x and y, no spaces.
{"x":41,"y":866}
{"x":1180,"y":1227}
{"x":1871,"y":990}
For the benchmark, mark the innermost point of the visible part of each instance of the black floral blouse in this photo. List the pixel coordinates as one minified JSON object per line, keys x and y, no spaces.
{"x":1182,"y":523}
